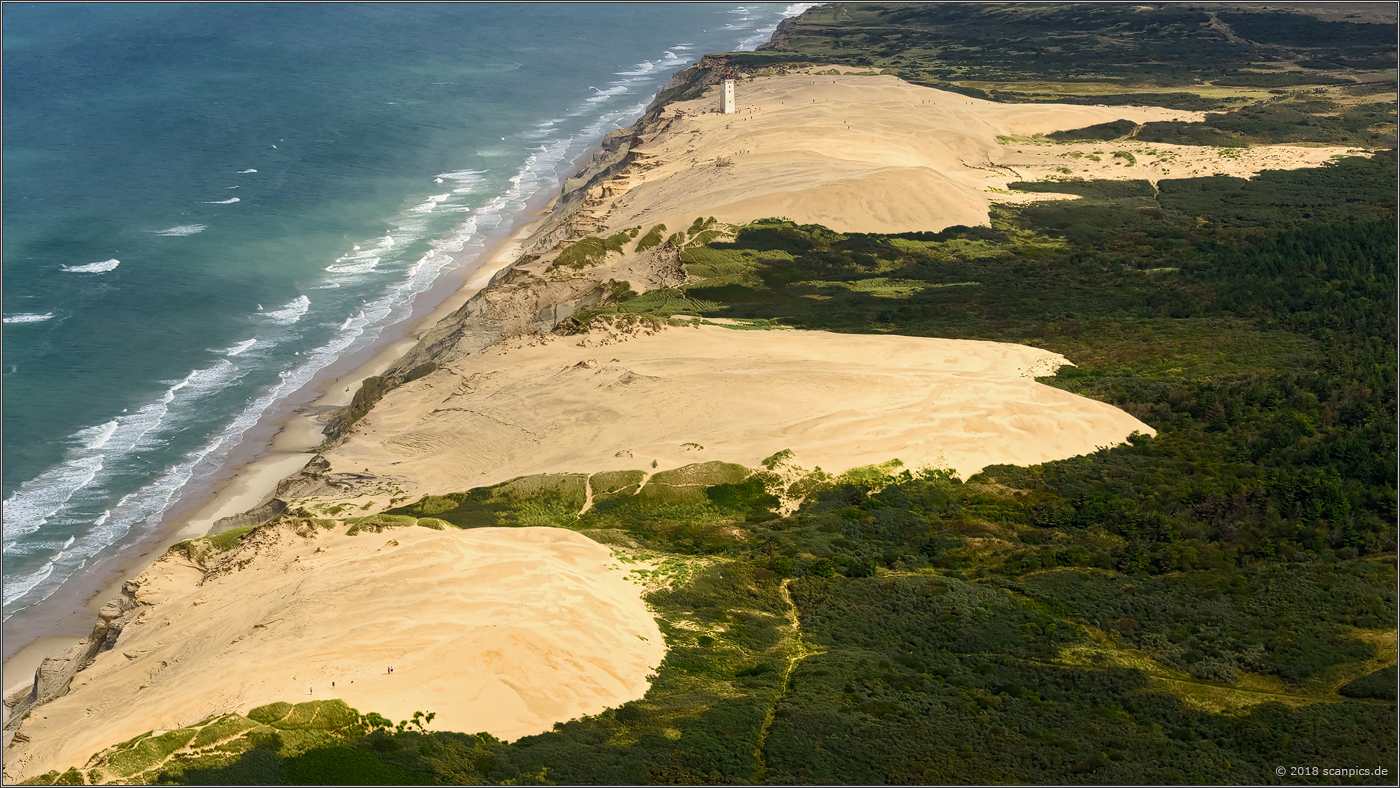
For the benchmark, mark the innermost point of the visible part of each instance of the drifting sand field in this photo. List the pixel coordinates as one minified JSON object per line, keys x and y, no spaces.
{"x":495,"y":629}
{"x":877,"y":154}
{"x":836,"y":400}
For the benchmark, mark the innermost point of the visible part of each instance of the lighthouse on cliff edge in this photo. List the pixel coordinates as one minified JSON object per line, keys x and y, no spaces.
{"x":726,"y":101}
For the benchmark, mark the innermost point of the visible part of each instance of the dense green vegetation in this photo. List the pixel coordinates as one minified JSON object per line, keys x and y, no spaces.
{"x":1297,"y":121}
{"x":1162,"y":45}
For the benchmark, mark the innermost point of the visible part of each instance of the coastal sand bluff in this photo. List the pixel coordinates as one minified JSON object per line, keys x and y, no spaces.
{"x":511,"y":630}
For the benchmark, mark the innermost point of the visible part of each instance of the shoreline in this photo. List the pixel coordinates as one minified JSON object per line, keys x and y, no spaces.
{"x":288,"y":430}
{"x":285,"y":438}
{"x":279,"y":445}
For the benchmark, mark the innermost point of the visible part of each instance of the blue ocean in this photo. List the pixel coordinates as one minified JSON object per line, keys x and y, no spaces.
{"x":206,"y":204}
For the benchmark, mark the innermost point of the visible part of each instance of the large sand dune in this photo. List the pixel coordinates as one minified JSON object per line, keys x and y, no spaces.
{"x":877,"y":154}
{"x":836,"y":400}
{"x":495,"y":629}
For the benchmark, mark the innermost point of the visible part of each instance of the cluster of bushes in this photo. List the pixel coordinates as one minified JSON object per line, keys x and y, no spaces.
{"x":1369,"y":125}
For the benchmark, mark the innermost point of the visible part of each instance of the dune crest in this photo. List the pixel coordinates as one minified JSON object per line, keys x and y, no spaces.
{"x":607,"y":401}
{"x":876,"y":154}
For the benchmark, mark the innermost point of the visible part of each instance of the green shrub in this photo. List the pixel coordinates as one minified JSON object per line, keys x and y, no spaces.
{"x":545,"y":499}
{"x":1099,"y":131}
{"x":148,"y":753}
{"x":225,"y":727}
{"x":1379,"y":685}
{"x":222,"y":543}
{"x":652,"y":238}
{"x":616,"y":241}
{"x":584,"y":253}
{"x":271,"y":713}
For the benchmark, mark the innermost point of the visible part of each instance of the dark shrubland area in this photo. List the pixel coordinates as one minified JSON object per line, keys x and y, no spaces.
{"x":1199,"y":606}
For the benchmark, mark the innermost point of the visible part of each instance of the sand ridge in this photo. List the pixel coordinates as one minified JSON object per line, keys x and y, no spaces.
{"x":873,"y":153}
{"x":505,"y":630}
{"x":609,"y":401}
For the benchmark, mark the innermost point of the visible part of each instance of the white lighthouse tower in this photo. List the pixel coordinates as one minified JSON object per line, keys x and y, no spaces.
{"x":726,"y":102}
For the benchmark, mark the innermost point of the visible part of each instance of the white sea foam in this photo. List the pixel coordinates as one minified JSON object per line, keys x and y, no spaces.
{"x":28,"y":317}
{"x":182,"y":230}
{"x":16,"y":588}
{"x":221,"y":202}
{"x":641,"y":69}
{"x":604,"y":95}
{"x":69,"y":487}
{"x":361,"y":267}
{"x":465,"y":176}
{"x":29,"y":507}
{"x":41,"y":498}
{"x":94,"y":438}
{"x":464,"y":180}
{"x":240,"y":348}
{"x":245,"y":172}
{"x":428,"y":205}
{"x":93,"y":268}
{"x":763,"y":34}
{"x":289,"y":313}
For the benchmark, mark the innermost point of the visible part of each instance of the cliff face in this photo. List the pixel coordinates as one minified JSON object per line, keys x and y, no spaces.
{"x":55,"y":674}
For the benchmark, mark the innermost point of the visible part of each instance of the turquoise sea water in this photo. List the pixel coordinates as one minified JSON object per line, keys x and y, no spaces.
{"x":204,"y":205}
